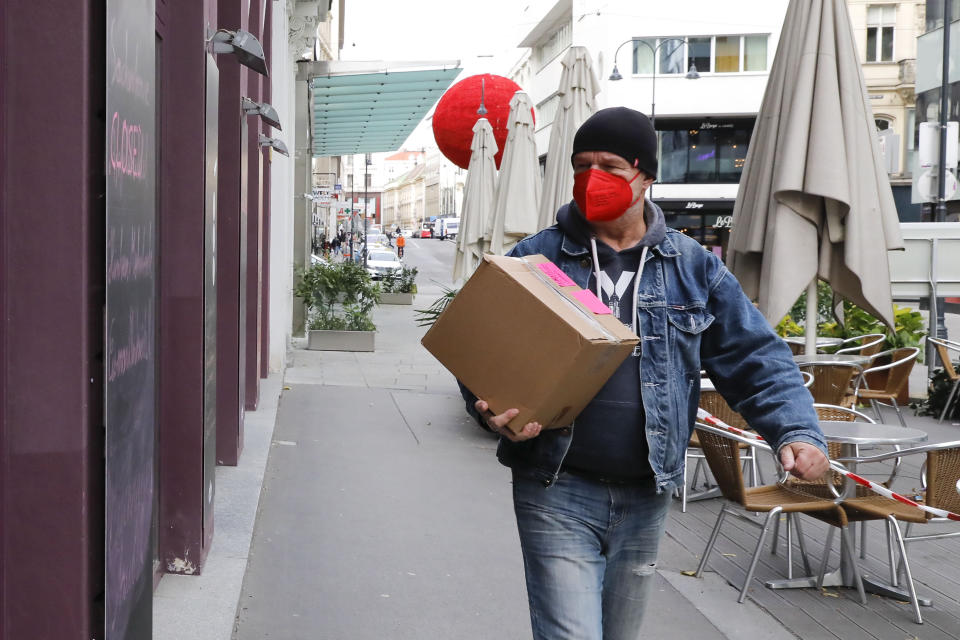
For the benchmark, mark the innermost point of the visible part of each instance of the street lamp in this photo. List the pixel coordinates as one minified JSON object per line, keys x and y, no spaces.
{"x":691,"y":74}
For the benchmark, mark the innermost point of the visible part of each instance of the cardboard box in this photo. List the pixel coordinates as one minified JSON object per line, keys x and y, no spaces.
{"x":521,"y":334}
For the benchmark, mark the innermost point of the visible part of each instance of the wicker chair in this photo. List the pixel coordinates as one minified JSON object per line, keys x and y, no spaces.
{"x":944,"y":347}
{"x":898,"y":374}
{"x":713,"y":402}
{"x":722,"y":451}
{"x":832,"y":381}
{"x":941,"y":489}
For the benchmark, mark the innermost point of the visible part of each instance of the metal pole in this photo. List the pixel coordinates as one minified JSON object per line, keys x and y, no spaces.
{"x":941,"y":210}
{"x":366,"y":179}
{"x":352,"y":197}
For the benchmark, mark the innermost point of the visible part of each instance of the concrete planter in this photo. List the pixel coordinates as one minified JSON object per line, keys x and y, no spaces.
{"x":396,"y":298}
{"x":327,"y":340}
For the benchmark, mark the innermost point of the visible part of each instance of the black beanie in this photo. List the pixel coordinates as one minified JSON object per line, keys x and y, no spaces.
{"x":622,"y":131}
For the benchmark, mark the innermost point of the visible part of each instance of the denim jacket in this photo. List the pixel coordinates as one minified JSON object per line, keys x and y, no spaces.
{"x":692,"y":315}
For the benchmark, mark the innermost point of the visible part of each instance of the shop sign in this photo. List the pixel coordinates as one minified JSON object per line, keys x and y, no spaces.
{"x":694,"y":205}
{"x":723,"y":222}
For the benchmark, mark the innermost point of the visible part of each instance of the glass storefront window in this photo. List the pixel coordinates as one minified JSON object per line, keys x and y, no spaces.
{"x":673,"y":156}
{"x":731,"y":154}
{"x":703,"y":151}
{"x":702,"y":164}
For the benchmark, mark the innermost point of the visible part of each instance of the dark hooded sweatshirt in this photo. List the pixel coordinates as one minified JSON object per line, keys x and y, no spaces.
{"x":609,"y":436}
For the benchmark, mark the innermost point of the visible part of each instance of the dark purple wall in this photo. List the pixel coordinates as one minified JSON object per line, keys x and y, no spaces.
{"x":51,"y":294}
{"x":251,"y":341}
{"x":183,"y":533}
{"x":265,"y":229}
{"x":231,"y":245}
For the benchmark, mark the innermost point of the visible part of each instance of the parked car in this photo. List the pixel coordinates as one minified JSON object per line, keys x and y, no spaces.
{"x":381,"y":263}
{"x":425,"y":232}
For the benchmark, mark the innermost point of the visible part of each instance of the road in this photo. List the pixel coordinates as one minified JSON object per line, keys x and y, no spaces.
{"x":434,"y":260}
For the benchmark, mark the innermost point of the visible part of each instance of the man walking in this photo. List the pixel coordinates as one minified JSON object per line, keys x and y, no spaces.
{"x":591,"y":499}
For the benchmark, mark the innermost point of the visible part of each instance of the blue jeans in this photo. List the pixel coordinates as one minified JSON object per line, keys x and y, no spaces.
{"x":589,"y":553}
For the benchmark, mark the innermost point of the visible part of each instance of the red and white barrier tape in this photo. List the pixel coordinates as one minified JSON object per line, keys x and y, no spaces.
{"x":873,"y":486}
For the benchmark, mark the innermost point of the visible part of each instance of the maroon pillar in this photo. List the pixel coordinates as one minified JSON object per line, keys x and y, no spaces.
{"x":186,"y":381}
{"x":255,"y":126}
{"x":51,"y":332}
{"x":265,"y":228}
{"x":231,"y":244}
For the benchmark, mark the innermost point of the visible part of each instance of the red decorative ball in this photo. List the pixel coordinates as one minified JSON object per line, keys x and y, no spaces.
{"x":456,"y":113}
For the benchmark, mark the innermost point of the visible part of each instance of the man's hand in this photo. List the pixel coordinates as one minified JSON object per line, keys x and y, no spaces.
{"x":498,"y":423}
{"x":804,"y":460}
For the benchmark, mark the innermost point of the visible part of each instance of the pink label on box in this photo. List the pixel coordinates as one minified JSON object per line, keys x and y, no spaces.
{"x":591,"y":302}
{"x":555,"y":274}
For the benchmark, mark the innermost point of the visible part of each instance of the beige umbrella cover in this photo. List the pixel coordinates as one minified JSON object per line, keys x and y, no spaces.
{"x":814,"y":199}
{"x":518,"y":185}
{"x":479,"y":192}
{"x":578,"y":91}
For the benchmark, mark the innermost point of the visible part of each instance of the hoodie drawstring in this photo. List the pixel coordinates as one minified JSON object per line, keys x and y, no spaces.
{"x":636,"y":282}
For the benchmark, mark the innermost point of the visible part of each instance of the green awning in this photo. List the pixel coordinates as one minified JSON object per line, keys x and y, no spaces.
{"x":371,"y":112}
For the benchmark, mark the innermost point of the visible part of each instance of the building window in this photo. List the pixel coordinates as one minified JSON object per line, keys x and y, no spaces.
{"x":710,"y":54}
{"x":880,"y":22}
{"x":697,"y":152}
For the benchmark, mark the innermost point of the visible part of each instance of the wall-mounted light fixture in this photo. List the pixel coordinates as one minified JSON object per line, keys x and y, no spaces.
{"x":242,"y":44}
{"x":276,"y":143}
{"x":266,"y":112}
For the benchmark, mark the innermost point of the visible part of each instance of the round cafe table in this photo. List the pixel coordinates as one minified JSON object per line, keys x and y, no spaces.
{"x":851,"y":435}
{"x":830,"y":358}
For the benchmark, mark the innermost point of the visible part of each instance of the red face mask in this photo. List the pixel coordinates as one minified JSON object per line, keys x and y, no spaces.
{"x":602,"y":196}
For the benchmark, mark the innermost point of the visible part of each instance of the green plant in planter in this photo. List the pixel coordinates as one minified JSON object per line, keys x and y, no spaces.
{"x":908,"y":327}
{"x":402,"y":282}
{"x":338,"y":296}
{"x":426,"y":317}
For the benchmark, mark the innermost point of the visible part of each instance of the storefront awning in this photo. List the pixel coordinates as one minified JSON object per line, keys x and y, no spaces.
{"x":355,"y":110}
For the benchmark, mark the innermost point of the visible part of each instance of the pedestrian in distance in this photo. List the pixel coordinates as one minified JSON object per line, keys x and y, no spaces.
{"x":591,"y":498}
{"x":401,"y":243}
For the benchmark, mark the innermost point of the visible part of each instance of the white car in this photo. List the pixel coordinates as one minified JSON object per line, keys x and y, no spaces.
{"x":381,"y":263}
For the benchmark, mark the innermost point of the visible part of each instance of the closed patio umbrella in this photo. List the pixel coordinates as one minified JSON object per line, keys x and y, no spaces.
{"x":814,"y":199}
{"x":479,"y":191}
{"x":577,"y":95}
{"x":518,"y":185}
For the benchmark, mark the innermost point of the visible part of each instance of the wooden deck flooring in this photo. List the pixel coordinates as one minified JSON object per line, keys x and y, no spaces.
{"x":835,"y":613}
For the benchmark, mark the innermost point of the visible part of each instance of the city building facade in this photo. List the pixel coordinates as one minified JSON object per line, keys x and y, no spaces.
{"x":704,"y":123}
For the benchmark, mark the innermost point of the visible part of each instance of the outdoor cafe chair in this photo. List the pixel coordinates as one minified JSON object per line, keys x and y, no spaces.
{"x":940,"y":478}
{"x":713,"y":402}
{"x":944,"y":347}
{"x":898,"y":375}
{"x":722,"y":451}
{"x":865,"y":345}
{"x":833,"y":413}
{"x":832,"y":381}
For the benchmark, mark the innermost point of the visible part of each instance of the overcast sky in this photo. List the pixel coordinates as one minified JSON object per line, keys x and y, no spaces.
{"x":430,"y":29}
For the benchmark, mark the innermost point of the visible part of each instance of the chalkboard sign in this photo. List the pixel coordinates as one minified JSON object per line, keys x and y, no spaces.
{"x":130,"y":324}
